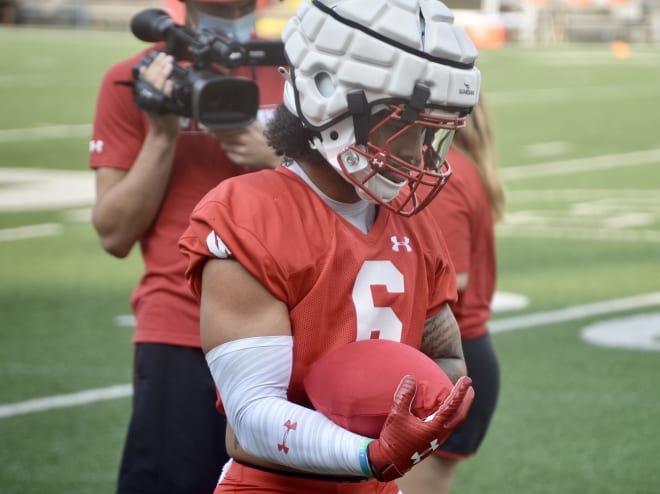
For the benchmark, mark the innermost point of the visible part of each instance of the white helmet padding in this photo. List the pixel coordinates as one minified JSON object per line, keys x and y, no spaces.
{"x":381,"y":50}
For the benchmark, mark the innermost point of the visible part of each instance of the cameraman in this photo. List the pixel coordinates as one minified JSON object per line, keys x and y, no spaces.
{"x":151,"y":169}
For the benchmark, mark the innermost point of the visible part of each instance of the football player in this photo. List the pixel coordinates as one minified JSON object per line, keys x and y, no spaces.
{"x":337,"y":246}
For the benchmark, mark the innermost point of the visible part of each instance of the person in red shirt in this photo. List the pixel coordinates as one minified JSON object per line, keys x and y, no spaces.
{"x":337,"y":246}
{"x":151,"y":169}
{"x":471,"y":202}
{"x":176,"y":9}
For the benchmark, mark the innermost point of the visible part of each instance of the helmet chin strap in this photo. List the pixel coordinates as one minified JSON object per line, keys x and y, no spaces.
{"x":416,"y":104}
{"x":381,"y":187}
{"x":354,"y":167}
{"x":358,"y":106}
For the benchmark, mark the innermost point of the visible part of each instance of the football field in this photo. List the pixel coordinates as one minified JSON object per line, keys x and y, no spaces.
{"x":577,"y":325}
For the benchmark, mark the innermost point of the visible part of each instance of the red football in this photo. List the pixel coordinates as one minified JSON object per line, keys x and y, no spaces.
{"x":354,"y":385}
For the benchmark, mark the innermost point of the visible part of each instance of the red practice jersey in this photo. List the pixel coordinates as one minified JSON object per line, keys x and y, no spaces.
{"x":463,"y":212}
{"x":164,"y":308}
{"x":338,"y":283}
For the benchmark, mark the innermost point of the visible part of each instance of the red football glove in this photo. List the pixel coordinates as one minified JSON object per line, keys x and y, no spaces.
{"x":405,"y":439}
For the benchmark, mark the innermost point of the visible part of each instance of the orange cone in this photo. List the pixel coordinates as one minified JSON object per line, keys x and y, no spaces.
{"x":620,"y":49}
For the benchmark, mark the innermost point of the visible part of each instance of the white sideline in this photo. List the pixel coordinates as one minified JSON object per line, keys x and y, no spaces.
{"x":500,"y":325}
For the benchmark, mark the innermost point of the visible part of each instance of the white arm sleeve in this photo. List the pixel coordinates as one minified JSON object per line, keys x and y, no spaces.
{"x":252,"y":375}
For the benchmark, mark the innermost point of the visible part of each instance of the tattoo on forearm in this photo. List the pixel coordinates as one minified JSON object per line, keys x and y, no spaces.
{"x":442,"y":342}
{"x":441,"y":337}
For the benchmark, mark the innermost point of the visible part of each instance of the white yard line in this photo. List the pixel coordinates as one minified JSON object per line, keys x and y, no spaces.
{"x":563,"y":95}
{"x":30,"y":231}
{"x":640,"y":196}
{"x":527,"y":321}
{"x":579,"y":233}
{"x":67,"y":400}
{"x":575,"y":312}
{"x":45,"y":132}
{"x":563,"y":167}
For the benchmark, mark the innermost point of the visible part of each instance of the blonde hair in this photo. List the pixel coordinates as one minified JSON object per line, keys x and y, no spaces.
{"x":475,"y":140}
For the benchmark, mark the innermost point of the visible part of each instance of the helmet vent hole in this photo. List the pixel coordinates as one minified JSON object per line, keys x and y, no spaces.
{"x":422,"y":25}
{"x":334,"y":135}
{"x":324,"y":84}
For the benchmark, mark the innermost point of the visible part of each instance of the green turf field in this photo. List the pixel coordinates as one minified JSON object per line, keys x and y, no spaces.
{"x":579,"y":145}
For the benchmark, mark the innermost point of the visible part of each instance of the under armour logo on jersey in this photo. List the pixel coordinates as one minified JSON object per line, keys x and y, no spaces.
{"x":417,"y":457}
{"x":96,"y":146}
{"x":216,"y":246}
{"x":397,"y":244}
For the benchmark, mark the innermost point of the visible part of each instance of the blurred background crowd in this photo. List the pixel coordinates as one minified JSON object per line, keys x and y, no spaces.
{"x":491,"y":23}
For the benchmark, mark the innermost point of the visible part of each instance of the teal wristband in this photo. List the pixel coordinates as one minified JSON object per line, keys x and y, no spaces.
{"x":364,"y":459}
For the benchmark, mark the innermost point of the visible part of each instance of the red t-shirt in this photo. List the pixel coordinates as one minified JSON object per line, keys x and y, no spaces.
{"x":164,"y":308}
{"x":463,"y":211}
{"x":338,"y":283}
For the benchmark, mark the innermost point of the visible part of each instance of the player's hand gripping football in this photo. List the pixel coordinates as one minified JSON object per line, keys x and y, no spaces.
{"x":406,"y":439}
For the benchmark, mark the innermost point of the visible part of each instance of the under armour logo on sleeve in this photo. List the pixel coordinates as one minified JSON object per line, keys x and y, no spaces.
{"x":216,"y":246}
{"x":96,"y":146}
{"x":290,"y":426}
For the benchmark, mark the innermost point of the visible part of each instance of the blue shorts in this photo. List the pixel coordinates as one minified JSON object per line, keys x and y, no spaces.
{"x":484,"y":370}
{"x":176,"y":438}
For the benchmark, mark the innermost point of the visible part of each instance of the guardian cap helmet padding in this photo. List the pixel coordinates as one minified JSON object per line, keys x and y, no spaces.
{"x":359,"y":67}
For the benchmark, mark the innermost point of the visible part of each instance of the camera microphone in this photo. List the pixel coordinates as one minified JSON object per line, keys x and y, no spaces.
{"x":151,"y":25}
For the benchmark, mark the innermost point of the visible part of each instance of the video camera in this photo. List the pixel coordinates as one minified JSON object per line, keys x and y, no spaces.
{"x":215,"y":100}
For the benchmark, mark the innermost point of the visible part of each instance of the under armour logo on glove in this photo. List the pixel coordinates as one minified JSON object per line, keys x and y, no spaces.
{"x":417,"y":457}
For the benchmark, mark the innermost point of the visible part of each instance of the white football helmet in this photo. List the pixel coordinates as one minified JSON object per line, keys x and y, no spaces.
{"x":364,"y":69}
